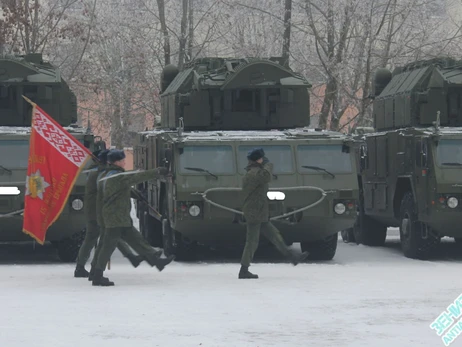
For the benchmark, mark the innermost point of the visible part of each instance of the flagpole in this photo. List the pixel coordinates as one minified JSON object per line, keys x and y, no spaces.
{"x":31,"y":164}
{"x":33,"y":104}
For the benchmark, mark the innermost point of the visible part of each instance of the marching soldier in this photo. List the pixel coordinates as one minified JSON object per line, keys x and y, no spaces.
{"x":93,"y":227}
{"x":118,"y":224}
{"x":256,"y":212}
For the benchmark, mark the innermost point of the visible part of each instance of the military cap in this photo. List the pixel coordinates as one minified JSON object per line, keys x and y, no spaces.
{"x":102,"y":156}
{"x":255,"y":154}
{"x":115,"y":155}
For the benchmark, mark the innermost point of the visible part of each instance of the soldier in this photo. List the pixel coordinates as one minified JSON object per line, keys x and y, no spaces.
{"x":256,"y":212}
{"x":116,"y":186}
{"x":121,"y":245}
{"x":93,"y":227}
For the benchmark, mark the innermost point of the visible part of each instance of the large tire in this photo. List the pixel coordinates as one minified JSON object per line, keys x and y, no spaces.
{"x":68,"y":248}
{"x":322,"y":249}
{"x":368,"y":231}
{"x":411,"y":230}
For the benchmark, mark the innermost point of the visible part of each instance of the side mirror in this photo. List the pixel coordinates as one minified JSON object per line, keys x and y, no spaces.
{"x":157,"y":121}
{"x":424,"y":153}
{"x":168,"y":157}
{"x":363,"y":157}
{"x":99,"y":144}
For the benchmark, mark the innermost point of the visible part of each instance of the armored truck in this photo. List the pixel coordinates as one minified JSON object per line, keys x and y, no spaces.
{"x":42,"y":83}
{"x":411,"y":165}
{"x":213,"y":113}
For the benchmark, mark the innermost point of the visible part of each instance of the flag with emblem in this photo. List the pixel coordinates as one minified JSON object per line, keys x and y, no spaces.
{"x":56,"y":159}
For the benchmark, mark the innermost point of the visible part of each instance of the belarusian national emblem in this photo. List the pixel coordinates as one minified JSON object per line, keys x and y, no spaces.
{"x":36,"y":185}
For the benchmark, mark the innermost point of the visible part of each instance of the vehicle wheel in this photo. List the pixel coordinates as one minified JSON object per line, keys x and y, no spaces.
{"x":322,"y":249}
{"x":348,"y":235}
{"x":151,"y":229}
{"x":68,"y":248}
{"x":368,"y":231}
{"x":411,"y":232}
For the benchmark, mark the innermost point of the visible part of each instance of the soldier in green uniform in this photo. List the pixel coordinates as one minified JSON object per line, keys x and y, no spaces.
{"x":118,"y":224}
{"x":93,"y":227}
{"x":256,"y":212}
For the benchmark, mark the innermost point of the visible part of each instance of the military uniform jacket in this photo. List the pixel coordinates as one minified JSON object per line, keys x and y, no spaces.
{"x":255,"y":187}
{"x":89,"y":206}
{"x":117,"y":192}
{"x":99,"y":195}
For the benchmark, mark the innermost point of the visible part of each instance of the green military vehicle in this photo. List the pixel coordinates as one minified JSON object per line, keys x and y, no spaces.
{"x":213,"y":113}
{"x":42,"y":83}
{"x":411,"y":166}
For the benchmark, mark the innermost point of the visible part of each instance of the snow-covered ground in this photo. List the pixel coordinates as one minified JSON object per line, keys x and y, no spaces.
{"x":364,"y":297}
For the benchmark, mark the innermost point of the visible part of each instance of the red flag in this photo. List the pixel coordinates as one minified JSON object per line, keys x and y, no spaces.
{"x":55,"y":161}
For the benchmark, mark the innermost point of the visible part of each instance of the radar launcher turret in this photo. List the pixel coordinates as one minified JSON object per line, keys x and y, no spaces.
{"x":234,"y":94}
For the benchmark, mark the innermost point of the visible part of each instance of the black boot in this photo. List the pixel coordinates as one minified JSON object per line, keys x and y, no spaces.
{"x":135,"y":259}
{"x":80,"y":271}
{"x":99,"y":280}
{"x":161,"y":263}
{"x":244,"y":273}
{"x":295,"y":259}
{"x":92,"y":272}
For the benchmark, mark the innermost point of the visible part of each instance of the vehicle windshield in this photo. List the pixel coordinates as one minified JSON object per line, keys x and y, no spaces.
{"x":14,"y":154}
{"x":327,"y":157}
{"x":279,"y":155}
{"x":449,"y":152}
{"x":215,"y":159}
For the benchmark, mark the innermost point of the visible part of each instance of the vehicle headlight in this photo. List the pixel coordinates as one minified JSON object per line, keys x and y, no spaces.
{"x":194,"y":210}
{"x":453,"y":202}
{"x":339,"y":208}
{"x":77,"y":204}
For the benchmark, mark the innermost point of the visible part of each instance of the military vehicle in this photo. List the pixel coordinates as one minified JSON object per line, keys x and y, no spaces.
{"x":411,"y":165}
{"x":213,"y":112}
{"x":42,"y":83}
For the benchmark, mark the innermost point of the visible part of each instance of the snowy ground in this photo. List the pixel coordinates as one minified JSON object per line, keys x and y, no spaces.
{"x":364,"y":297}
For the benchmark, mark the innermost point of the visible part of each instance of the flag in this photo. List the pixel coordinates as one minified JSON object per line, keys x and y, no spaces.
{"x":56,"y":159}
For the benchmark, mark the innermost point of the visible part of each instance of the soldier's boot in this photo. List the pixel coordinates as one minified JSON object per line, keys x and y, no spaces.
{"x":99,"y":280}
{"x":295,"y":259}
{"x":135,"y":259}
{"x":163,"y":262}
{"x":92,"y":272}
{"x":159,"y":262}
{"x":80,"y":271}
{"x":244,"y":273}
